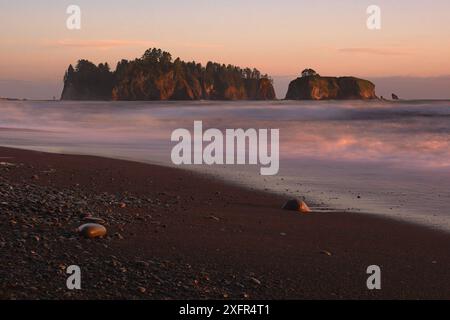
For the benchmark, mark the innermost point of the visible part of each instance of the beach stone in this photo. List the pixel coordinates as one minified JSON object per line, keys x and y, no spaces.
{"x":296,"y":205}
{"x":257,"y":281}
{"x":142,"y":289}
{"x":119,"y":236}
{"x":326,"y":252}
{"x":92,"y":230}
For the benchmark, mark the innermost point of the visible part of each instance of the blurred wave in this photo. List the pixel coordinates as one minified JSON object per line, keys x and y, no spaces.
{"x":382,"y":151}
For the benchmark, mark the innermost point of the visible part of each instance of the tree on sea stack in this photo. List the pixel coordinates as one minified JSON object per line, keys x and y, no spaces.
{"x":309,"y":73}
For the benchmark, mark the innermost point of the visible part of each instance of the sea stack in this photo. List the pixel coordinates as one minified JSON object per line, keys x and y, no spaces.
{"x":155,"y":76}
{"x":311,"y":86}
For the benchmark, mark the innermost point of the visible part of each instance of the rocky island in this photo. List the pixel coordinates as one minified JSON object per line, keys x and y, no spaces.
{"x":155,"y":76}
{"x":312,"y":86}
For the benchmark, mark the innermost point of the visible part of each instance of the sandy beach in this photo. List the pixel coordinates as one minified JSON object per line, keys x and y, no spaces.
{"x":175,"y":234}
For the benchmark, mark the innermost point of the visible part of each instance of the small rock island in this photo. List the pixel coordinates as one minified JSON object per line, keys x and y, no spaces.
{"x":155,"y":76}
{"x":312,"y":86}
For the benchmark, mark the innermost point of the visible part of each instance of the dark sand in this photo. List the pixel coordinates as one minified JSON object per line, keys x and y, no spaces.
{"x":186,"y":236}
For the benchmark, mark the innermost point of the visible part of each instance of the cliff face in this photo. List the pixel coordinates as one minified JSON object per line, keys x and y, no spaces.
{"x":156,"y":77}
{"x":327,"y":88}
{"x":171,"y":87}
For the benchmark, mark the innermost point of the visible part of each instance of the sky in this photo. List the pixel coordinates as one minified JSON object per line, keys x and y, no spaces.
{"x":280,"y":38}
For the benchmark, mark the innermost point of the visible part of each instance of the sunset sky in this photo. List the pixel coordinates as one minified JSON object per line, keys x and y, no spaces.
{"x":278,"y":37}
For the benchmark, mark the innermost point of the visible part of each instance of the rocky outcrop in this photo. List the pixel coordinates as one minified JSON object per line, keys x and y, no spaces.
{"x":260,"y":89}
{"x":156,"y":77}
{"x":88,"y":82}
{"x":328,"y":88}
{"x":296,"y":205}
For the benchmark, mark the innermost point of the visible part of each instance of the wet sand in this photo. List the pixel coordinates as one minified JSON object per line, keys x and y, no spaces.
{"x":175,"y":234}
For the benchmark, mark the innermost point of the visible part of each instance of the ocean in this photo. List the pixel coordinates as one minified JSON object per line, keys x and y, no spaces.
{"x":375,"y":157}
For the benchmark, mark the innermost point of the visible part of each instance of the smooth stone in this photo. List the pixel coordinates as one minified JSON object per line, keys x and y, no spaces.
{"x":296,"y":205}
{"x":142,"y":289}
{"x":92,"y":230}
{"x":327,"y":253}
{"x":304,"y":207}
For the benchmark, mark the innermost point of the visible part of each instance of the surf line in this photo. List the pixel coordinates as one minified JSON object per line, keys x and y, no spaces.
{"x":228,"y":148}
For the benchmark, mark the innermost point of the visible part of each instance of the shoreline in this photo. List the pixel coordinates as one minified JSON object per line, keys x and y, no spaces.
{"x":219,"y":177}
{"x":318,"y":204}
{"x":182,"y":235}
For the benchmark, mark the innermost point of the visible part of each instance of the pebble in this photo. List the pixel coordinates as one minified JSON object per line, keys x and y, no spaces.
{"x":327,"y":253}
{"x":92,"y":230}
{"x":142,"y":289}
{"x":142,"y":263}
{"x":119,"y":236}
{"x":296,"y":205}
